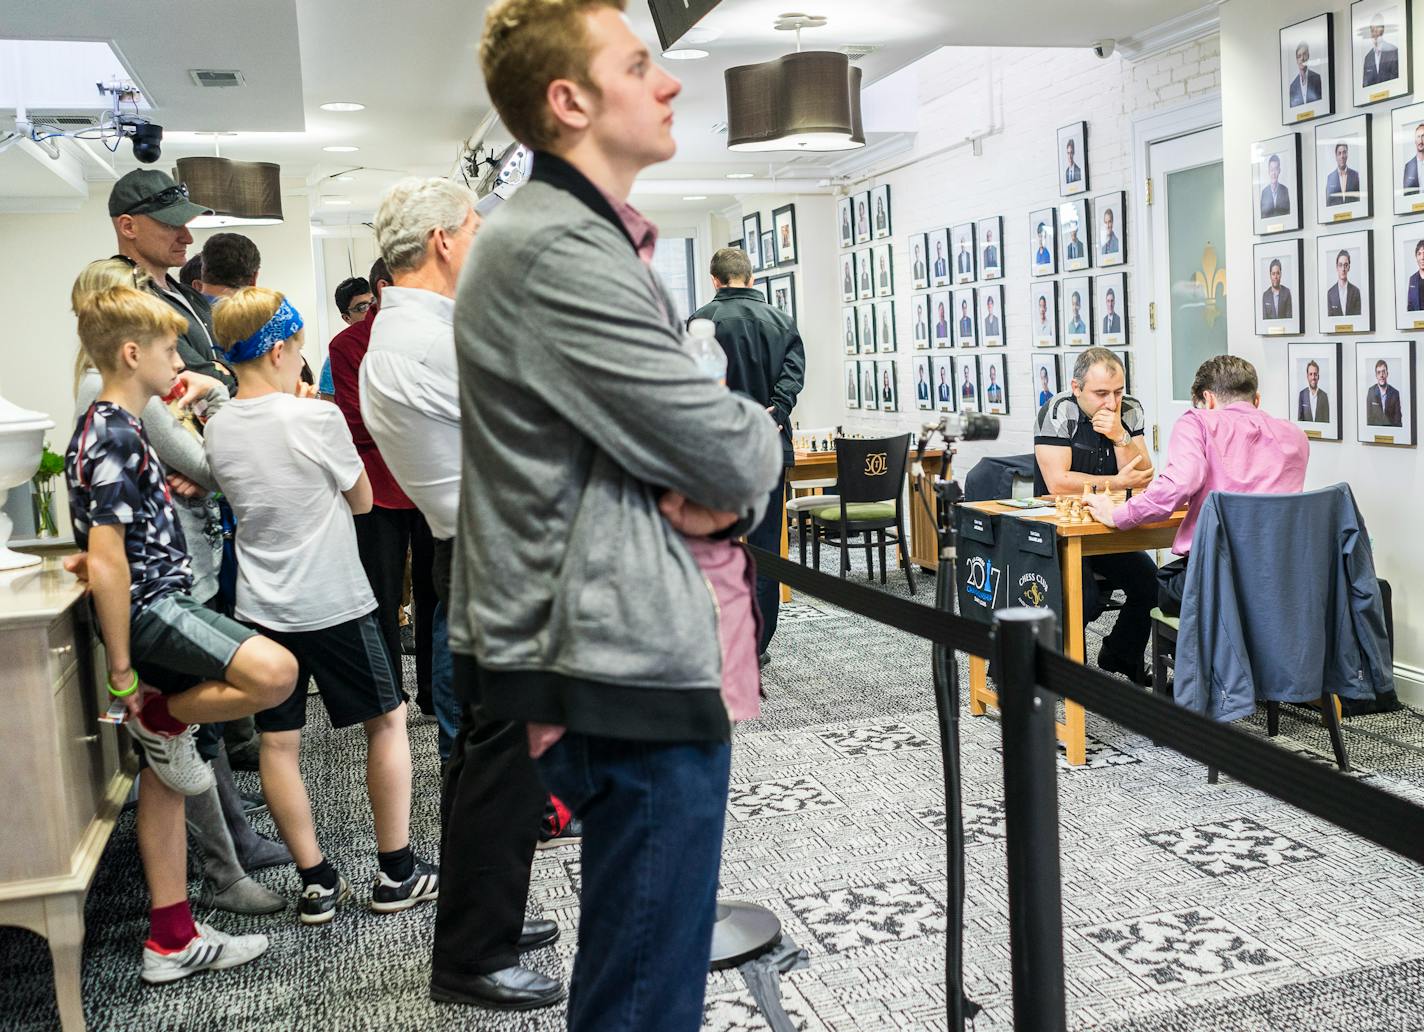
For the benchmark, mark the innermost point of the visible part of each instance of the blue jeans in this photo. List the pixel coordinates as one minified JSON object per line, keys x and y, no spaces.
{"x":652,"y":817}
{"x":766,"y":535}
{"x":442,"y":682}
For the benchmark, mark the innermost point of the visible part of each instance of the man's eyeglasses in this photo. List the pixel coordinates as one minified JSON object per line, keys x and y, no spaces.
{"x":359,"y":308}
{"x":157,"y":202}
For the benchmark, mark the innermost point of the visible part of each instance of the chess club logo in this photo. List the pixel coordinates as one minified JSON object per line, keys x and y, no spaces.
{"x":982,"y":584}
{"x":1033,"y":590}
{"x":877,"y":465}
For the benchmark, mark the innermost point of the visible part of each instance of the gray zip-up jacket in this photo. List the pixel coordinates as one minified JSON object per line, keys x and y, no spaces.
{"x":579,"y":407}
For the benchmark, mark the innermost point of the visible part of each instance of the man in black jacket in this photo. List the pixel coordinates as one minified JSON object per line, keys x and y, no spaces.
{"x":766,"y":361}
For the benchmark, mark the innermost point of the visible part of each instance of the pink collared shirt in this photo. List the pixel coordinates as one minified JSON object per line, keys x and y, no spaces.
{"x":1238,"y":448}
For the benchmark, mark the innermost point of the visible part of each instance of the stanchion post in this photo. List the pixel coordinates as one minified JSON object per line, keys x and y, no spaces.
{"x":1031,"y":819}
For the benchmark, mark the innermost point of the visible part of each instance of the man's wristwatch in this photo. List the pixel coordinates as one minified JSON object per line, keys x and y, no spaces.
{"x":1126,"y":440}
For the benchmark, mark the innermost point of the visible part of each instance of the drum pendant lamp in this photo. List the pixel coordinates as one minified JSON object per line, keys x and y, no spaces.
{"x":240,"y":193}
{"x":804,"y":101}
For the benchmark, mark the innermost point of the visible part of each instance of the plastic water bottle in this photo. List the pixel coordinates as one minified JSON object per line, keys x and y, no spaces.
{"x":702,"y":344}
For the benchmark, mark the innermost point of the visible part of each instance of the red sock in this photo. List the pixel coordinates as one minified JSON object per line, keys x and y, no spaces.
{"x":155,"y":716}
{"x":171,"y":928}
{"x":562,"y":816}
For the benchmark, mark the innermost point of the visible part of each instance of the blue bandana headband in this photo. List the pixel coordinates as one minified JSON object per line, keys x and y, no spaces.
{"x":285,"y":322}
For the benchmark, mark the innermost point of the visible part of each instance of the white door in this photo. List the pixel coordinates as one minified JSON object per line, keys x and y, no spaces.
{"x":1186,"y":247}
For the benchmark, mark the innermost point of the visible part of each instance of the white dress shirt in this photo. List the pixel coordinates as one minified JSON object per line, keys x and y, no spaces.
{"x":410,"y":400}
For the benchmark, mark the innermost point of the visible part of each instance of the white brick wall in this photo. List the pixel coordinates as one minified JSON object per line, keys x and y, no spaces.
{"x":1032,"y":93}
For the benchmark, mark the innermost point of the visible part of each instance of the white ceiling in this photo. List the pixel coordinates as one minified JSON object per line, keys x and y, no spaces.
{"x":414,"y":66}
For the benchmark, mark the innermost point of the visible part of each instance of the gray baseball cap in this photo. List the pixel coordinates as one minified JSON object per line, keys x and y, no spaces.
{"x":148,"y":191}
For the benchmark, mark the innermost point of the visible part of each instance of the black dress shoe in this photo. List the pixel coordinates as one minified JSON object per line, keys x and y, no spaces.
{"x":511,"y":988}
{"x":537,"y":932}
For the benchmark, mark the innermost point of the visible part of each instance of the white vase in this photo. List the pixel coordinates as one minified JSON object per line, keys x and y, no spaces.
{"x":22,"y":434}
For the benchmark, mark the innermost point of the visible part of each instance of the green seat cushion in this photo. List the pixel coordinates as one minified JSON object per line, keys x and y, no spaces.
{"x":1171,"y":621}
{"x":856,"y":511}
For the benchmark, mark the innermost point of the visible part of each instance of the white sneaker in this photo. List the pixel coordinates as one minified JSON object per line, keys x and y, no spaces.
{"x":174,"y":758}
{"x":210,"y":950}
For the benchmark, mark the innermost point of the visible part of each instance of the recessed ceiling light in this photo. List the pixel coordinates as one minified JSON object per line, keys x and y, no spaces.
{"x":685,"y":54}
{"x":741,"y":175}
{"x":340,"y":149}
{"x":695,"y":197}
{"x":342,"y":179}
{"x":327,"y":199}
{"x":343,"y":105}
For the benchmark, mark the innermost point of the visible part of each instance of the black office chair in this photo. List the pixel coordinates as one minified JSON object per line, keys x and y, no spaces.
{"x":870,"y":478}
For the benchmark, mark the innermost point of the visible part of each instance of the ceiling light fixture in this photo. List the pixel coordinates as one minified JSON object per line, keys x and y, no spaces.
{"x":695,"y":197}
{"x":343,"y":105}
{"x":340,"y":149}
{"x":337,"y":201}
{"x":685,"y":54}
{"x":240,"y":193}
{"x":804,"y":101}
{"x":741,"y":175}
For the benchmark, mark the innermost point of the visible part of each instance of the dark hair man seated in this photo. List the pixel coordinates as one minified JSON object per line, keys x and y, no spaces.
{"x":1092,"y":435}
{"x":1224,"y":443}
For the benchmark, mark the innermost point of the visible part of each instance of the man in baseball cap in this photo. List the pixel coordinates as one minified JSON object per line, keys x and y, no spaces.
{"x":151,"y":213}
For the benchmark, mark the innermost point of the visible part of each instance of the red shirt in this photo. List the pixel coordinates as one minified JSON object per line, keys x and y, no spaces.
{"x":347,"y":350}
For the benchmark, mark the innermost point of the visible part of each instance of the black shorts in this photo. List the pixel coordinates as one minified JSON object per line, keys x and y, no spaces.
{"x":352,"y":670}
{"x":178,"y":642}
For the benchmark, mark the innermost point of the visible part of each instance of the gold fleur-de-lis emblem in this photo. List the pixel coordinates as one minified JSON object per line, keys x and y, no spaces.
{"x":1212,"y":281}
{"x":877,"y":465}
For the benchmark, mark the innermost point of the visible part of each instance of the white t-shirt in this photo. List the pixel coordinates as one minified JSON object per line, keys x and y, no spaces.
{"x":283,"y":463}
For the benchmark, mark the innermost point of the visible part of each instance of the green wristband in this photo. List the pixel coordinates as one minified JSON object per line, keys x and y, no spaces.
{"x":133,"y":687}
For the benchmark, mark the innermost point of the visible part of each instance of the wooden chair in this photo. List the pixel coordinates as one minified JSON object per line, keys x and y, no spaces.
{"x":870,"y":484}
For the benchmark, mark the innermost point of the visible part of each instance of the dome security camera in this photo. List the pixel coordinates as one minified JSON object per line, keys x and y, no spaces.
{"x":1104,"y":48}
{"x":147,"y":138}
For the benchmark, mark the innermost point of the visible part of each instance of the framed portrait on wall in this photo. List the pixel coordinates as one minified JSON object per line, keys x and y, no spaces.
{"x":991,"y":316}
{"x":862,"y":217}
{"x":1046,"y":379}
{"x":920,"y":305}
{"x":1043,"y":313}
{"x":768,"y":251}
{"x":848,"y":276}
{"x":1384,"y":375}
{"x":1313,"y":398}
{"x":880,"y":212}
{"x":852,"y":340}
{"x":924,"y":383}
{"x":966,"y":382}
{"x":889,"y":384}
{"x":864,"y":274}
{"x":1406,"y":125}
{"x":995,"y":372}
{"x":783,"y":224}
{"x":1110,"y":302}
{"x":852,"y":384}
{"x":1409,"y":276}
{"x":965,"y":315}
{"x":865,"y":316}
{"x":1073,"y":242}
{"x":751,"y":234}
{"x":843,"y":220}
{"x":942,"y":376}
{"x":1307,"y":69}
{"x":919,"y":261}
{"x":962,"y":237}
{"x":1381,"y":43}
{"x":1077,"y":311}
{"x":939,"y":319}
{"x":884,"y":270}
{"x":885,"y":326}
{"x":990,"y":233}
{"x":783,"y":293}
{"x":1073,"y":159}
{"x":765,"y":293}
{"x":1278,"y":265}
{"x":1042,"y":233}
{"x":1347,"y":283}
{"x":1110,"y":228}
{"x":939,"y":261}
{"x":869,"y":389}
{"x":1275,"y":184}
{"x":1343,"y":170}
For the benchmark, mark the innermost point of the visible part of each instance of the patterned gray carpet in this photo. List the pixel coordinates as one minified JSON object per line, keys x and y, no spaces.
{"x":1188,"y":907}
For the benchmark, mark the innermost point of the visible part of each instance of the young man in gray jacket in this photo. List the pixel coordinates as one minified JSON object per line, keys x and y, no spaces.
{"x":597,"y":592}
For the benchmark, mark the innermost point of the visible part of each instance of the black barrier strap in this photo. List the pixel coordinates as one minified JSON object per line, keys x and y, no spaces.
{"x":1380,"y":817}
{"x":954,"y":632}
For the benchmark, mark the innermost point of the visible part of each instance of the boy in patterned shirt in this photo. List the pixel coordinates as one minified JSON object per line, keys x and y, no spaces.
{"x":171,"y":661}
